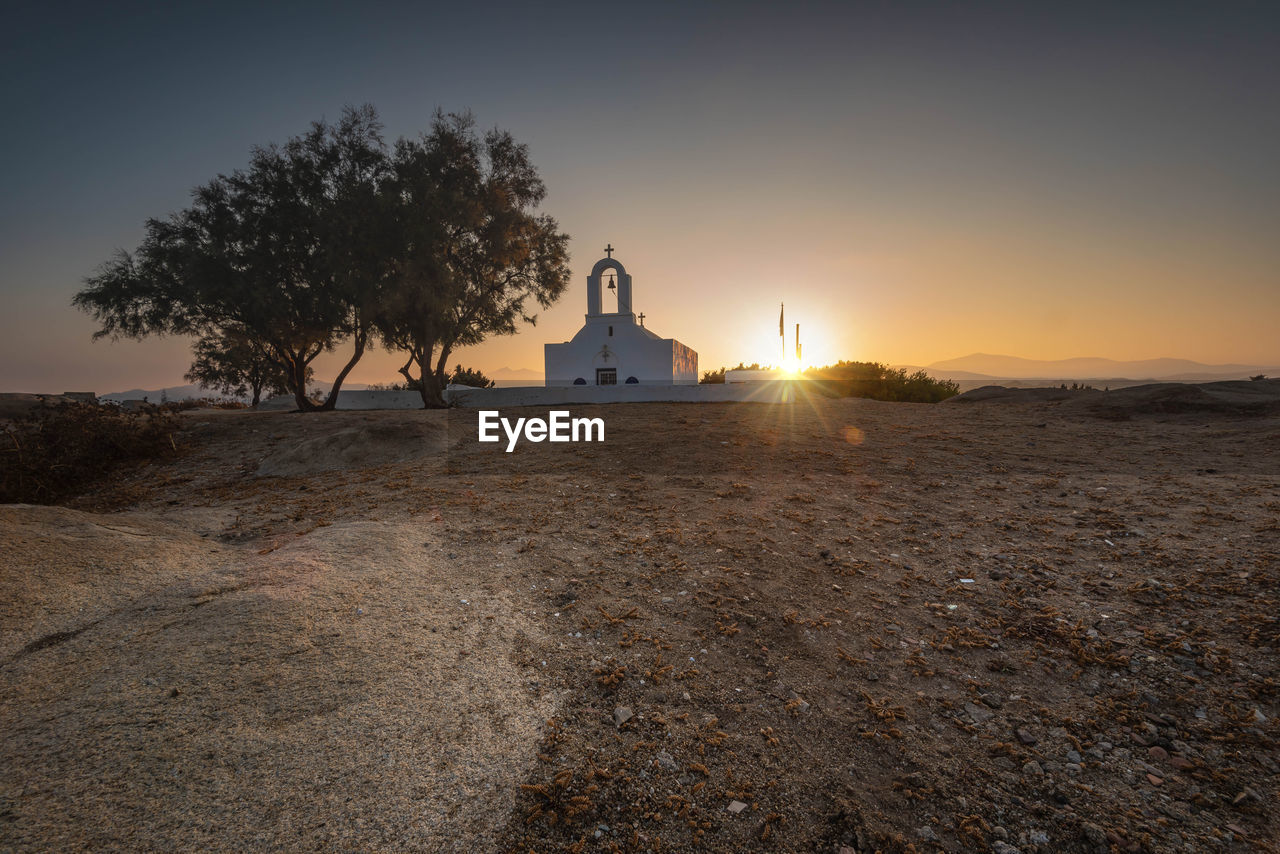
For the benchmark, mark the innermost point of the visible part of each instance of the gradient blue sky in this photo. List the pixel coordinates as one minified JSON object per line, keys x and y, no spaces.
{"x":917,"y":181}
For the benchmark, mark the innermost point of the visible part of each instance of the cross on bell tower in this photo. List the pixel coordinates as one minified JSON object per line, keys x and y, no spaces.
{"x":608,"y":251}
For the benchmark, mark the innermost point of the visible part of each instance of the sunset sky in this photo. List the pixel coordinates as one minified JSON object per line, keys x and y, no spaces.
{"x":916,"y":181}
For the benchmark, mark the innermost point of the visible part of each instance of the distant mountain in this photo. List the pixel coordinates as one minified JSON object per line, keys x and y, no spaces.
{"x":987,"y":366}
{"x":155,"y":395}
{"x":186,"y":392}
{"x":505,"y":373}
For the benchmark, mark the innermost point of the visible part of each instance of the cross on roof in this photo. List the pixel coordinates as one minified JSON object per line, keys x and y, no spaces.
{"x":608,"y":251}
{"x":642,"y":318}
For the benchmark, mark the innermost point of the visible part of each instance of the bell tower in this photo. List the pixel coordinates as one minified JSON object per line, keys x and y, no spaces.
{"x":594,"y":291}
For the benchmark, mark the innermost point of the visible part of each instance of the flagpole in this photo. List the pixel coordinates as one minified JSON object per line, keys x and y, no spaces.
{"x":782,"y":334}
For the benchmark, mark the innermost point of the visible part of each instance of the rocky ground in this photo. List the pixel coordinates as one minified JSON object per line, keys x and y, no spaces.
{"x":832,"y":626}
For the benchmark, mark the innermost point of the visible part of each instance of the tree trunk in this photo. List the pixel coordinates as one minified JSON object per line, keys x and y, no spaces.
{"x":331,"y":401}
{"x":433,"y":381}
{"x":257,"y":395}
{"x":404,"y":371}
{"x":298,"y":379}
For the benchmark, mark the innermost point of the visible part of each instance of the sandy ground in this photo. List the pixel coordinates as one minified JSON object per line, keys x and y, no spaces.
{"x":1048,"y":625}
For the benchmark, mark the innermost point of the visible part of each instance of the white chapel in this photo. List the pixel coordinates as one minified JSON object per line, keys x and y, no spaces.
{"x":612,"y":348}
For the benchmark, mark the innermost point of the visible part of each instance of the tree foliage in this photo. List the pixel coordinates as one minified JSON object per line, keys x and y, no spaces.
{"x":333,"y":237}
{"x":233,"y":363}
{"x":285,"y":252}
{"x":472,"y":254}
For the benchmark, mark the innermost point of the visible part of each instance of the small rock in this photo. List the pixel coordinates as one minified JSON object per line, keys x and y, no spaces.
{"x":1031,"y":768}
{"x":1025,"y":736}
{"x":1181,"y":763}
{"x":1246,"y":794}
{"x":999,"y":833}
{"x":1093,"y":833}
{"x":1153,"y":779}
{"x":977,"y":713}
{"x":621,"y":715}
{"x":666,"y":761}
{"x":1004,"y":848}
{"x":926,"y":833}
{"x":1158,"y":753}
{"x":736,"y":807}
{"x":1074,"y":756}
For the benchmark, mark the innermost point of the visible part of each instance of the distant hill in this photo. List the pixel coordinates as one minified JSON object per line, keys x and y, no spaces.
{"x":155,"y":395}
{"x":505,"y":373}
{"x":186,"y":392}
{"x":977,"y":366}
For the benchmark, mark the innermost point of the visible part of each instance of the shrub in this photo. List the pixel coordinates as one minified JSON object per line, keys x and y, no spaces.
{"x":718,"y":376}
{"x":468,"y":376}
{"x":880,"y":382}
{"x":460,"y":376}
{"x":56,"y":451}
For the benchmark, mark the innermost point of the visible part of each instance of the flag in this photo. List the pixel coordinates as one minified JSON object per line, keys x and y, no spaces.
{"x":781,"y":311}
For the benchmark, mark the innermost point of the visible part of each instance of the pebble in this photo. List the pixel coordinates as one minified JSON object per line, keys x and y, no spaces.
{"x":1074,"y":756}
{"x":977,"y":713}
{"x":1031,"y":768}
{"x":926,"y":833}
{"x":1153,"y":779}
{"x":1004,"y":848}
{"x":621,"y":715}
{"x":1157,"y":753}
{"x":1025,"y":736}
{"x":736,"y":807}
{"x":666,"y":760}
{"x":1181,"y":763}
{"x":1094,"y":834}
